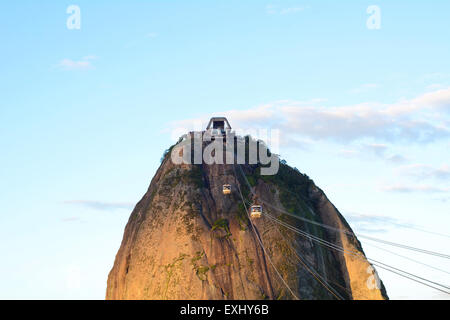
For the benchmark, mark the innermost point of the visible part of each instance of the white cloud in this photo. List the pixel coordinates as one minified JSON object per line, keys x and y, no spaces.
{"x":410,"y":121}
{"x":69,"y":64}
{"x":407,"y":120}
{"x":438,"y":99}
{"x":424,"y":119}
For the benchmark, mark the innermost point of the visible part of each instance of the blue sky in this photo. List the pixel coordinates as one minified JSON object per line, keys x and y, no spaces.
{"x":86,"y":115}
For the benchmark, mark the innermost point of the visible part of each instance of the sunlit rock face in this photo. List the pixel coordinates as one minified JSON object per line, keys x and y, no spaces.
{"x":185,"y":239}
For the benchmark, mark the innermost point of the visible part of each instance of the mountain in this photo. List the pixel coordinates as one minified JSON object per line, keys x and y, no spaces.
{"x":185,"y":239}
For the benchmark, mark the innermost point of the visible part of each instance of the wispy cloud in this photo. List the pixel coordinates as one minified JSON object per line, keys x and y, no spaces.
{"x":397,"y":159}
{"x":411,"y":121}
{"x":423,"y":171}
{"x":444,"y":199}
{"x":373,"y":223}
{"x":100,"y":205}
{"x":408,"y":188}
{"x":373,"y":150}
{"x":151,"y":35}
{"x":83,"y":64}
{"x":424,"y":119}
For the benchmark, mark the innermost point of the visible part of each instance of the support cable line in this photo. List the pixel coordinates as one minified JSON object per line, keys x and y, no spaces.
{"x":440,"y":234}
{"x":384,"y":266}
{"x":405,"y":257}
{"x":379,"y":264}
{"x":259,"y":239}
{"x":313,"y":272}
{"x":424,"y":251}
{"x":437,"y":254}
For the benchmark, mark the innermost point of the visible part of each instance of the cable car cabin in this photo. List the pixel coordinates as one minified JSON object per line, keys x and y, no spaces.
{"x":218,"y":126}
{"x":255,"y":211}
{"x":226,"y":189}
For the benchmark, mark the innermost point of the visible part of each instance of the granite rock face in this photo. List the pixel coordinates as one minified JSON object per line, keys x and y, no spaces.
{"x":186,"y":240}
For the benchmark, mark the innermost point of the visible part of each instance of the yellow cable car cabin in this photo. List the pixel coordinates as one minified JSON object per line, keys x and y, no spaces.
{"x":226,"y":189}
{"x":255,"y":211}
